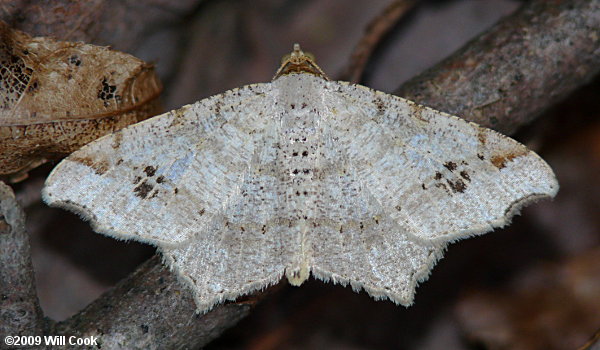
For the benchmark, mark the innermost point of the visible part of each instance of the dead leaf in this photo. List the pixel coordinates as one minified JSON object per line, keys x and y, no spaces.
{"x":57,"y":96}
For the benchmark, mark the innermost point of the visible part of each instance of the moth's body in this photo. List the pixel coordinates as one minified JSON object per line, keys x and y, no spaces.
{"x":301,"y":175}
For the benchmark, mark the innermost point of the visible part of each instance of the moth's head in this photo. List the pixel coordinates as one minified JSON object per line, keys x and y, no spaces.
{"x":298,"y":62}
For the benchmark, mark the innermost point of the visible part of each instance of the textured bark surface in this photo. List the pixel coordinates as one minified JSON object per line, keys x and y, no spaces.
{"x":151,"y":310}
{"x":20,"y":311}
{"x":510,"y":74}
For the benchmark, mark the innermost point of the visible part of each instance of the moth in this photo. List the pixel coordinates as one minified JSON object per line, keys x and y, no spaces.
{"x":300,"y":176}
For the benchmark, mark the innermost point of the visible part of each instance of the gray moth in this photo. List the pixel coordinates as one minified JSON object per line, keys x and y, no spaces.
{"x":299,"y":176}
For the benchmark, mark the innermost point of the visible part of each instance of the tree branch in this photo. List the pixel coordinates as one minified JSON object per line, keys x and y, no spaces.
{"x":510,"y":74}
{"x":151,"y":309}
{"x":20,"y":312}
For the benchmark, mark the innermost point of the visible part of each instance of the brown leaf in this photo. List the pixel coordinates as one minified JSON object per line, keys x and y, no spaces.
{"x":57,"y":96}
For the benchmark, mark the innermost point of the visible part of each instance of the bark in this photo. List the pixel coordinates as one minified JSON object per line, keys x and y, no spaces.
{"x":151,"y":310}
{"x":20,"y":312}
{"x":510,"y":74}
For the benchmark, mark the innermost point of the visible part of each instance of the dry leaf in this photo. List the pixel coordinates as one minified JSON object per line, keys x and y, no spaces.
{"x":57,"y":96}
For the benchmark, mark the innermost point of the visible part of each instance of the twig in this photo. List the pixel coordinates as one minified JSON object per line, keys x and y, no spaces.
{"x":593,"y":343}
{"x":375,"y":31}
{"x":20,"y":312}
{"x":513,"y":72}
{"x":151,"y":309}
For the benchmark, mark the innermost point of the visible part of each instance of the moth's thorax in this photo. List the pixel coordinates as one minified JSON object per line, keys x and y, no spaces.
{"x":300,"y":101}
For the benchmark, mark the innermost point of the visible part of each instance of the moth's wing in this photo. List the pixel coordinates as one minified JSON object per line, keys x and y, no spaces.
{"x":243,"y":249}
{"x":164,"y":179}
{"x":442,"y":178}
{"x":228,"y":260}
{"x":356,"y":241}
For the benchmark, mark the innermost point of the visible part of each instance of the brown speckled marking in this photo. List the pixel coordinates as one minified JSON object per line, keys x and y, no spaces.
{"x":443,"y":186}
{"x":480,"y":156}
{"x":143,"y":189}
{"x":117,"y":140}
{"x":177,"y":117}
{"x":500,"y":160}
{"x":450,"y":166}
{"x":481,"y":136}
{"x":465,"y":175}
{"x":457,"y":186}
{"x":438,"y":175}
{"x":150,"y":170}
{"x":99,"y":167}
{"x":107,"y":92}
{"x":380,"y":105}
{"x":418,"y":112}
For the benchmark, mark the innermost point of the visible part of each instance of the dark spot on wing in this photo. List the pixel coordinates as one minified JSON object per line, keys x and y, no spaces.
{"x":465,"y":175}
{"x":480,"y":156}
{"x":442,"y":186}
{"x":481,"y":137}
{"x":143,"y":189}
{"x":450,"y":166}
{"x":380,"y":105}
{"x":201,"y":211}
{"x":499,"y":161}
{"x":398,"y":208}
{"x":160,"y":179}
{"x":457,"y":186}
{"x":438,"y":175}
{"x":150,"y":170}
{"x":100,"y":167}
{"x":118,"y":137}
{"x":218,"y":105}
